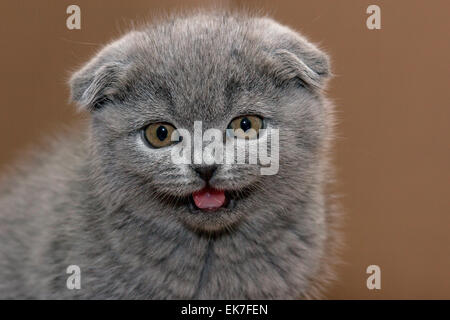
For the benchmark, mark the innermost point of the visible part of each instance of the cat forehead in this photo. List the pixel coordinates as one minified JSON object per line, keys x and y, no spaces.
{"x":198,"y":77}
{"x":213,"y":102}
{"x":189,"y":61}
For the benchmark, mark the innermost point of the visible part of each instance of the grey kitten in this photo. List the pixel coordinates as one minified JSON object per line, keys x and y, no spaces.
{"x":106,"y":199}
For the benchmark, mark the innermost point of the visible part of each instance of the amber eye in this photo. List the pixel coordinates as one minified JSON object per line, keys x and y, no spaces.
{"x":159,"y":135}
{"x":246,"y":127}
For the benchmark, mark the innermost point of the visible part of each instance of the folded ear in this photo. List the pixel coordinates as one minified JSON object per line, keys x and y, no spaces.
{"x":101,"y":79}
{"x":294,"y":57}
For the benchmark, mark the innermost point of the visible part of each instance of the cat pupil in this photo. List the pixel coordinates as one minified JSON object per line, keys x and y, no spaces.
{"x":246,"y":124}
{"x":161,"y":133}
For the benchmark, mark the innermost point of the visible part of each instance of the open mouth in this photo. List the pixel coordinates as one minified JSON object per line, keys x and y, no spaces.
{"x":210,"y":200}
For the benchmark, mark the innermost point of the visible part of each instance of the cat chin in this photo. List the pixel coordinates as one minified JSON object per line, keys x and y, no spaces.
{"x":217,"y":222}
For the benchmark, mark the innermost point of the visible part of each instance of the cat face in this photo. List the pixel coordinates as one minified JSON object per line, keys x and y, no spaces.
{"x":213,"y":73}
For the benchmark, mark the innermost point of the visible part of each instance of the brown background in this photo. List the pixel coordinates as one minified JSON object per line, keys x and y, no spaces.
{"x":392,"y":93}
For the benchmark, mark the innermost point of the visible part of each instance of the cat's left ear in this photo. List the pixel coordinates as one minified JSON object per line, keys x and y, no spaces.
{"x":291,"y":56}
{"x":103,"y":78}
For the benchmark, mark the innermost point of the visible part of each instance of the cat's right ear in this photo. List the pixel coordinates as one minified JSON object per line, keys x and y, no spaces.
{"x":100,"y":81}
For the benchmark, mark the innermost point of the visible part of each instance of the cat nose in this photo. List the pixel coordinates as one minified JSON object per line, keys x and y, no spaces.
{"x":206,"y":172}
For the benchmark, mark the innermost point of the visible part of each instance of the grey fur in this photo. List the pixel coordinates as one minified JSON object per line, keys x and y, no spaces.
{"x":98,"y":200}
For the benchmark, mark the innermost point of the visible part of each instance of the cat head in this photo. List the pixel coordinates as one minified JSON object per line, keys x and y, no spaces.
{"x":222,"y":72}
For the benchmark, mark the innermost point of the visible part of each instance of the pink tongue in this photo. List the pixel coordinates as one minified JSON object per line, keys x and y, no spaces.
{"x":209,"y":198}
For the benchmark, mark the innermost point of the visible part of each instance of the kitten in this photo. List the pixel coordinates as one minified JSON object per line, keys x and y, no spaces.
{"x":109,"y":199}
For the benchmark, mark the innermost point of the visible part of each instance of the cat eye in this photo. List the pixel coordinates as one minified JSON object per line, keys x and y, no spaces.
{"x":159,"y":135}
{"x":246,"y":127}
